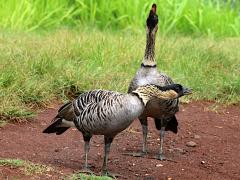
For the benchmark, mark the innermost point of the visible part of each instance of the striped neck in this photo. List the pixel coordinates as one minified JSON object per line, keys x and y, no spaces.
{"x":147,"y":92}
{"x":149,"y":56}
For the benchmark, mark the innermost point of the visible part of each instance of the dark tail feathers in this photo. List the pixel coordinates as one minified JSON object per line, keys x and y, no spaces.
{"x":172,"y":124}
{"x":55,"y":127}
{"x":65,"y":112}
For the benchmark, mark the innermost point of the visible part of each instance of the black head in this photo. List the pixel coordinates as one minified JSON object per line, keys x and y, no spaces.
{"x":152,"y":19}
{"x":178,"y":88}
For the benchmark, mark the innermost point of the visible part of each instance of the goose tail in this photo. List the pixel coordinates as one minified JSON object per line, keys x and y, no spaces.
{"x":63,"y":121}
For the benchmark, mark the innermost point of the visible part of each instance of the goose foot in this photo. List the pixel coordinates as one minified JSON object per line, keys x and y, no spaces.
{"x":161,"y":157}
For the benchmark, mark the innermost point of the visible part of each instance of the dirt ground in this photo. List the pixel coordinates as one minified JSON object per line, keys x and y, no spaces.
{"x":216,"y":155}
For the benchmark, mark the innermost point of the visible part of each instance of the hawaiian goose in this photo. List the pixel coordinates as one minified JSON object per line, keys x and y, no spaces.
{"x":162,"y":112}
{"x":101,"y":112}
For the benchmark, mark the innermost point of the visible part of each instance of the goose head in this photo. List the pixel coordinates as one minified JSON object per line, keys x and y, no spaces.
{"x":152,"y":20}
{"x":150,"y":91}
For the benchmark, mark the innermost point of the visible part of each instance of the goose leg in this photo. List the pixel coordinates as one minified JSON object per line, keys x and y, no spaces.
{"x":107,"y":142}
{"x":162,"y":133}
{"x":144,"y":124}
{"x":145,"y":132}
{"x":144,"y":142}
{"x":161,"y":126}
{"x":86,"y":138}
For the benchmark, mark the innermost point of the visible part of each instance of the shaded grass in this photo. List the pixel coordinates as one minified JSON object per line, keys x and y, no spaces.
{"x":36,"y":69}
{"x":27,"y":167}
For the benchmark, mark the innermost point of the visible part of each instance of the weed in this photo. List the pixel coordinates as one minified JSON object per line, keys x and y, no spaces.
{"x":29,"y":168}
{"x":2,"y":123}
{"x":81,"y":176}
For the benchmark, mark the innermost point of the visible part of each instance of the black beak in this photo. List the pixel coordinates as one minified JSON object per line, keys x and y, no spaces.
{"x":187,"y":91}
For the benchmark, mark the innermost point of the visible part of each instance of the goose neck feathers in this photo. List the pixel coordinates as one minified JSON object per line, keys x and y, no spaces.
{"x":147,"y":92}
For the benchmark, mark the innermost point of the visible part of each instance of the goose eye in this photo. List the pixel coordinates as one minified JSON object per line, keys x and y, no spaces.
{"x":177,"y":89}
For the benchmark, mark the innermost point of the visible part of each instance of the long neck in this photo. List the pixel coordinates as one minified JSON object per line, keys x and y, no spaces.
{"x":149,"y":56}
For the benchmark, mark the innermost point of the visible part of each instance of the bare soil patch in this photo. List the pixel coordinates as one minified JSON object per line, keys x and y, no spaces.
{"x":215,"y":156}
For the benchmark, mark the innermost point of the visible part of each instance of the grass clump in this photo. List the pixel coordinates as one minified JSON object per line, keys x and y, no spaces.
{"x":27,"y":167}
{"x":35,"y":69}
{"x":11,"y":162}
{"x":81,"y":176}
{"x":30,"y":169}
{"x":2,"y":123}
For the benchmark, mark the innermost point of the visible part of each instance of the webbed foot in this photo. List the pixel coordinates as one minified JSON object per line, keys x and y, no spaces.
{"x":161,"y":157}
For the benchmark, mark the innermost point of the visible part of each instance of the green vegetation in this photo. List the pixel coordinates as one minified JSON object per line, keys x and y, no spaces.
{"x":2,"y":123}
{"x":199,"y":17}
{"x":29,"y":169}
{"x":36,"y":69}
{"x":86,"y":177}
{"x":26,"y":166}
{"x":11,"y":162}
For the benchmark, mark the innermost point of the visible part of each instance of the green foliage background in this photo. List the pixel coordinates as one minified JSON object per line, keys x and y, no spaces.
{"x":200,"y":17}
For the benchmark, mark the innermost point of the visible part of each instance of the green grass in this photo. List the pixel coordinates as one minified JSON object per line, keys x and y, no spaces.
{"x":27,"y":167}
{"x":30,"y":169}
{"x":2,"y":123}
{"x":198,"y":17}
{"x":36,"y":69}
{"x":81,"y":176}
